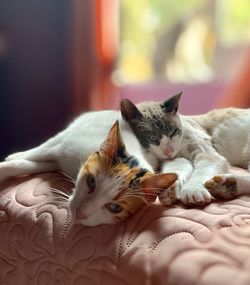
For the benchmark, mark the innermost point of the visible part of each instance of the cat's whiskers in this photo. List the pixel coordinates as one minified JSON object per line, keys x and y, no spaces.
{"x":59,"y":199}
{"x":59,"y":202}
{"x":141,"y":194}
{"x":71,"y":179}
{"x":68,"y":180}
{"x":154,"y":188}
{"x":136,"y":196}
{"x":59,"y":193}
{"x":140,"y":191}
{"x":57,"y":196}
{"x":54,"y":199}
{"x":143,"y":190}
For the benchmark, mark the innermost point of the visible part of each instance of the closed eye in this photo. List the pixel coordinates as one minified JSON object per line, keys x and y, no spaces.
{"x":154,"y":139}
{"x":175,"y":131}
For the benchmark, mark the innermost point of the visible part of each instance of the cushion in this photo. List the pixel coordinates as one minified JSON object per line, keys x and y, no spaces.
{"x":158,"y":245}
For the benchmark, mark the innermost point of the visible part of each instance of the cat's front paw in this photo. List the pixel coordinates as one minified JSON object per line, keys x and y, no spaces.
{"x":222,"y":187}
{"x":197,"y":195}
{"x":171,"y":195}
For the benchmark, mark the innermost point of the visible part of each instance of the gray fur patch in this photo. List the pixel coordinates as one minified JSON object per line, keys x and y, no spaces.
{"x":154,"y":124}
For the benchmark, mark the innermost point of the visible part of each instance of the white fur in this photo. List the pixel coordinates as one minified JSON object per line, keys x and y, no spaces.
{"x":92,"y":206}
{"x":68,"y":150}
{"x":206,"y":162}
{"x":243,"y":182}
{"x":183,"y":168}
{"x":71,"y":147}
{"x":231,"y":139}
{"x":160,"y":150}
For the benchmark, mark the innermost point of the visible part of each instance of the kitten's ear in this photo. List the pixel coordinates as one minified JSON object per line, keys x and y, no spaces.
{"x":113,"y":142}
{"x":171,"y":105}
{"x":156,"y":183}
{"x":129,"y":110}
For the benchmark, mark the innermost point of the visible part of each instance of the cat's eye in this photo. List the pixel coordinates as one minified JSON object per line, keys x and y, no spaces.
{"x":153,"y":139}
{"x":173,"y":133}
{"x":91,"y":183}
{"x":114,"y":208}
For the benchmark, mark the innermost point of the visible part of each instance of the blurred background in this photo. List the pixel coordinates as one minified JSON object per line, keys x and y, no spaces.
{"x":63,"y":57}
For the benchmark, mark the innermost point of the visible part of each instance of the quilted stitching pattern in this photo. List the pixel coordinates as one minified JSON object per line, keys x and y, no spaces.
{"x":39,"y":244}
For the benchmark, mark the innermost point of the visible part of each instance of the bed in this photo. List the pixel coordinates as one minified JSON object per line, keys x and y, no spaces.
{"x":158,"y":246}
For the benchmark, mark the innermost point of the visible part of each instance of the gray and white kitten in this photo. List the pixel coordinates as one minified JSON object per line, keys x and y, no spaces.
{"x":196,"y":148}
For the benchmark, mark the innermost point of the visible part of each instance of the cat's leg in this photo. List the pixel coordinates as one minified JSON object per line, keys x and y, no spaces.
{"x":228,"y":186}
{"x":22,"y":167}
{"x":183,"y":168}
{"x":207,"y":163}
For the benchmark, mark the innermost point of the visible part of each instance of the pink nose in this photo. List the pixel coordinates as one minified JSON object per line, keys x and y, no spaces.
{"x":169,"y":151}
{"x":80,"y":214}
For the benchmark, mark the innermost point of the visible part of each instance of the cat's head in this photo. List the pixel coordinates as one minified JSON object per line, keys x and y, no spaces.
{"x":157,"y":125}
{"x":108,"y":190}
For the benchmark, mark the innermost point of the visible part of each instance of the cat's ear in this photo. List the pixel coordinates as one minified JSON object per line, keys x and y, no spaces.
{"x":171,"y":105}
{"x":153,"y":185}
{"x":129,"y":111}
{"x":113,"y":142}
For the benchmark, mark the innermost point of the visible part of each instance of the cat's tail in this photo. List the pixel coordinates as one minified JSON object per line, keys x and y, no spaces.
{"x":19,"y":167}
{"x":35,"y":160}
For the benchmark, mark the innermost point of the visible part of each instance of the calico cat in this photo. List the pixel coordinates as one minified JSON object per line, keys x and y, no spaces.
{"x":196,"y":148}
{"x":111,"y":184}
{"x":108,"y":190}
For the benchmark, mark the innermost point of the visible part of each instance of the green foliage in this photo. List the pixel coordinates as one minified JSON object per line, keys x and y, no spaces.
{"x":235,"y":21}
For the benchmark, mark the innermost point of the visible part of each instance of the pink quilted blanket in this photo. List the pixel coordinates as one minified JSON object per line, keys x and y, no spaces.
{"x":40,"y":245}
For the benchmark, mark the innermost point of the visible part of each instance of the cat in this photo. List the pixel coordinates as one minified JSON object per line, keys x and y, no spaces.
{"x":115,"y":190}
{"x":196,"y":148}
{"x":111,"y":183}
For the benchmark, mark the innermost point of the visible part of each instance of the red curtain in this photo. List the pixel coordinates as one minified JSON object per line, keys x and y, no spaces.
{"x":94,"y":45}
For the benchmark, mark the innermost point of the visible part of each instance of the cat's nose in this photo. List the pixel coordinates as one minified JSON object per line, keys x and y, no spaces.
{"x":169,"y":151}
{"x":80,"y":214}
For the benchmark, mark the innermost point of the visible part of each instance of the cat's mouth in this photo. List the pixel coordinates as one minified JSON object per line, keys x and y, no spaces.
{"x":80,"y":215}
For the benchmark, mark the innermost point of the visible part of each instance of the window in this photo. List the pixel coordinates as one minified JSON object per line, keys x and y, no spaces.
{"x":179,"y":41}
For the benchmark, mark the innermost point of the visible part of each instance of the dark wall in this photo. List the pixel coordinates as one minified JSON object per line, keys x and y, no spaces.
{"x":34,"y":99}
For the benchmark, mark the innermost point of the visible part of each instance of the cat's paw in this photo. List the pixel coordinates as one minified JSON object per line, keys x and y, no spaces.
{"x":195,"y":195}
{"x":222,"y":187}
{"x":170,"y":195}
